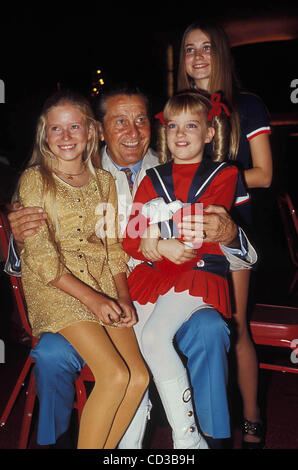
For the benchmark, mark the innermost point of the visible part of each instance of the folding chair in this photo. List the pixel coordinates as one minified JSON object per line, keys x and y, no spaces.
{"x":290,"y":224}
{"x":276,"y":326}
{"x":27,"y":370}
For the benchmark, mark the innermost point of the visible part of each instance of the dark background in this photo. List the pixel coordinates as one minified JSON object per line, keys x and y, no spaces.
{"x":50,"y":45}
{"x":41,"y":47}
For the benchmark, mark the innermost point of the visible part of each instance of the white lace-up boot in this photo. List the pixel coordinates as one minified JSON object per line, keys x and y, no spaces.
{"x":176,"y":399}
{"x":134,"y":435}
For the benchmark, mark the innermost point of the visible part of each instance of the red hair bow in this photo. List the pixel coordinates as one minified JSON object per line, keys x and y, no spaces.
{"x":217,"y":106}
{"x":160,"y":117}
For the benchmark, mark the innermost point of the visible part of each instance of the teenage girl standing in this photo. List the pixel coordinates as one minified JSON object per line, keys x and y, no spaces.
{"x":206,"y":63}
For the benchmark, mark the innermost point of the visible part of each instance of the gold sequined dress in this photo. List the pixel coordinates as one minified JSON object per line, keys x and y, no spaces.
{"x":76,"y":249}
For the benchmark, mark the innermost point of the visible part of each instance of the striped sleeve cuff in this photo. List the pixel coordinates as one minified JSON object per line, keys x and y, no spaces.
{"x":261,"y":130}
{"x":241,"y":200}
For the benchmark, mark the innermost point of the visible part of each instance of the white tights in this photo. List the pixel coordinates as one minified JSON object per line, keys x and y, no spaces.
{"x":158,"y":323}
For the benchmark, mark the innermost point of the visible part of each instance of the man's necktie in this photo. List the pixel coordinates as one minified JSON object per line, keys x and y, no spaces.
{"x":129,"y":174}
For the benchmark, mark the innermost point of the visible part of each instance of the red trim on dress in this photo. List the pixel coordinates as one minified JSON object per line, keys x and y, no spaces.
{"x":146,"y":283}
{"x":258,"y":132}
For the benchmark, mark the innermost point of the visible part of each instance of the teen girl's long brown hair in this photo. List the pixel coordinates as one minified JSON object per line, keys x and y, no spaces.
{"x":223,"y":76}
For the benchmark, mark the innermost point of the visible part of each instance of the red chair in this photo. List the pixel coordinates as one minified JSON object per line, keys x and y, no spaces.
{"x":27,"y":370}
{"x":276,"y":326}
{"x":290,"y":224}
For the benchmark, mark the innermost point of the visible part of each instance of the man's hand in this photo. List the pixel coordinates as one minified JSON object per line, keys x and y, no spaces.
{"x":218,"y":227}
{"x":25,"y":222}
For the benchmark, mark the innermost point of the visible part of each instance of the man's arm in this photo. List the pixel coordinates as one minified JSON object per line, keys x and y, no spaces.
{"x":244,"y":257}
{"x":216,"y":224}
{"x":219,"y":227}
{"x":24,"y":222}
{"x":13,"y":263}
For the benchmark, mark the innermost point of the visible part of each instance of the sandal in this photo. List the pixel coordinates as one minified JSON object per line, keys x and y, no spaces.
{"x":253,"y":429}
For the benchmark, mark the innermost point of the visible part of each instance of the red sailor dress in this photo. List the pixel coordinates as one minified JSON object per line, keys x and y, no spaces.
{"x":205,"y":275}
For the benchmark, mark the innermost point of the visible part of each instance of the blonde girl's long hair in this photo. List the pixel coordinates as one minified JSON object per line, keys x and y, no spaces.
{"x":223,"y":76}
{"x":196,"y":102}
{"x":43,"y":157}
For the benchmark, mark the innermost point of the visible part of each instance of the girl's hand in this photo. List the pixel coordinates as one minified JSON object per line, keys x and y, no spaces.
{"x":148,"y":247}
{"x":176,"y":251}
{"x":128,"y":315}
{"x":149,"y":242}
{"x":105,"y":309}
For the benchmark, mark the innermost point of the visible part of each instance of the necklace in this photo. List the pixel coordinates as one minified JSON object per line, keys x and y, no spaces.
{"x":70,"y":176}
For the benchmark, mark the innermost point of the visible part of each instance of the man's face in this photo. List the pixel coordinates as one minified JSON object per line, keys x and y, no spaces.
{"x":126,"y":129}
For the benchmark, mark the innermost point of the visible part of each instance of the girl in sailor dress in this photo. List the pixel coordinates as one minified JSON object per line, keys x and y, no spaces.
{"x":175,"y":279}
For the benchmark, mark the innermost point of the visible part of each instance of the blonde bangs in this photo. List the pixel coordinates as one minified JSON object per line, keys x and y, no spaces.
{"x":185,"y":102}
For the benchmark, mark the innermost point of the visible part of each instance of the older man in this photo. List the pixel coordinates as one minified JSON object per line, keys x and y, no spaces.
{"x":124,"y":127}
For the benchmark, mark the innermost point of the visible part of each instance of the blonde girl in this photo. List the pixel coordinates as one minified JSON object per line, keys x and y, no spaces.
{"x":74,"y":282}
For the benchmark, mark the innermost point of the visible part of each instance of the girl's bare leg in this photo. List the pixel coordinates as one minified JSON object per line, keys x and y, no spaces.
{"x":247,"y":362}
{"x":111,"y":380}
